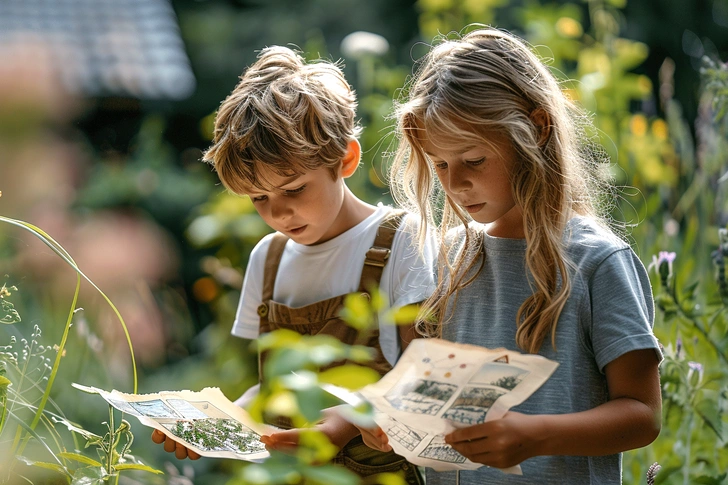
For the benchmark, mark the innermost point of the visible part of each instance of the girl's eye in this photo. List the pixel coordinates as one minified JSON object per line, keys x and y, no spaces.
{"x":441,"y":165}
{"x":475,"y":162}
{"x":295,"y":191}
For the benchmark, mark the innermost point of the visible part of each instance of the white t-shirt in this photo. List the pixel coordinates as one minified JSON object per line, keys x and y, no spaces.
{"x":308,"y":274}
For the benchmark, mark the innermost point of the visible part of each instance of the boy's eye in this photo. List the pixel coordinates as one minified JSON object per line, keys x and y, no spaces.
{"x":476,"y":161}
{"x":259,"y":198}
{"x":295,"y":191}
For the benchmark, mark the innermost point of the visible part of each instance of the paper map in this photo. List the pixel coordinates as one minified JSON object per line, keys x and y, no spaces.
{"x":438,"y":386}
{"x":206,"y":422}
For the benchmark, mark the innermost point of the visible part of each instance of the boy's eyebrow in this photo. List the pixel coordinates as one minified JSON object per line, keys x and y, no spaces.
{"x":290,"y":180}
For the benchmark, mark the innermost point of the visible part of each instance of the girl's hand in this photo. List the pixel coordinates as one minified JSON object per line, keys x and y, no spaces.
{"x":170,"y":445}
{"x":500,"y":443}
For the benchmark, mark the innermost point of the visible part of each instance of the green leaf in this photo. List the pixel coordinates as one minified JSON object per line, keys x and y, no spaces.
{"x":329,"y":474}
{"x":357,"y":312}
{"x":406,"y":315}
{"x":89,"y":476}
{"x":709,"y":411}
{"x":309,"y":403}
{"x":79,"y":458}
{"x":665,"y":473}
{"x":349,"y":376}
{"x":137,"y":466}
{"x":42,"y":464}
{"x":707,"y":480}
{"x":284,"y":361}
{"x":385,"y":479}
{"x":278,"y":338}
{"x":315,"y":448}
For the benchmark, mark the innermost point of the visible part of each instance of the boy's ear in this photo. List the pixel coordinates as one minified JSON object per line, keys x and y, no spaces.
{"x":351,"y":159}
{"x":542,"y":120}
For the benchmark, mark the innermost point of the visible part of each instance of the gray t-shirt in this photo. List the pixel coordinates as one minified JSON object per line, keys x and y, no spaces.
{"x":609,"y":313}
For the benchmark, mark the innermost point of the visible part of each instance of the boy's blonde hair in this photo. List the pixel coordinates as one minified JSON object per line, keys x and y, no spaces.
{"x":286,"y":114}
{"x":489,"y":82}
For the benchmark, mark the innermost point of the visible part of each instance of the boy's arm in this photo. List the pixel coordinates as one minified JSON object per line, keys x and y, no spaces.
{"x":248,"y":396}
{"x":338,"y":430}
{"x":630,"y":419}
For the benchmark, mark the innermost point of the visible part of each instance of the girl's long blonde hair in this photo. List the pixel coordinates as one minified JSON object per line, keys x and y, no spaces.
{"x":489,"y":82}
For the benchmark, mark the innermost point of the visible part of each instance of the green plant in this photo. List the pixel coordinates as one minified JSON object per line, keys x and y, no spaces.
{"x":26,"y":394}
{"x":692,"y":446}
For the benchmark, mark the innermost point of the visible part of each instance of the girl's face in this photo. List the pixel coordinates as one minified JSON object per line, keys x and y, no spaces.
{"x":478,"y":179}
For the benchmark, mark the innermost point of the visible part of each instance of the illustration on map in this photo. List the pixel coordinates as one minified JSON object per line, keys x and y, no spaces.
{"x":404,"y":435}
{"x":155,"y":408}
{"x":472,"y":404}
{"x":196,"y":409}
{"x":501,"y":375}
{"x":420,"y":396}
{"x":215,"y":434}
{"x":441,"y":451}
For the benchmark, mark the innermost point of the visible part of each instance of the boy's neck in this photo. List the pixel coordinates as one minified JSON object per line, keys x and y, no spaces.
{"x":353,"y":211}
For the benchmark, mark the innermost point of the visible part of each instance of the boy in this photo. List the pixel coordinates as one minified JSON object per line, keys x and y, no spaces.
{"x":287,"y":138}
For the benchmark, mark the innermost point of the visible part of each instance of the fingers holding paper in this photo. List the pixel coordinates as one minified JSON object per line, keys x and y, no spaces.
{"x":500,"y":443}
{"x":171,"y":446}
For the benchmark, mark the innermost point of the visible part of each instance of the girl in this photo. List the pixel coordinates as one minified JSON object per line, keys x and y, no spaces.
{"x":486,"y":122}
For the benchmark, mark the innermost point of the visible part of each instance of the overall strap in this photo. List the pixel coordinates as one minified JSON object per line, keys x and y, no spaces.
{"x":270,"y":270}
{"x":378,"y":254}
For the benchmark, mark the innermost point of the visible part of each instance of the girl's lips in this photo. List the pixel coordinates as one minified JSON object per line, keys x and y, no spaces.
{"x":472,"y":209}
{"x":297,"y":230}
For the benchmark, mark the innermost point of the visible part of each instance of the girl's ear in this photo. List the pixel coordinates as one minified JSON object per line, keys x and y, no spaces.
{"x":351,"y":159}
{"x":542,"y":120}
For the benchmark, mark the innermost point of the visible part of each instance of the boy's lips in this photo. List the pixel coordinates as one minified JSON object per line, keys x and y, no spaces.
{"x":296,"y":230}
{"x":472,"y":209}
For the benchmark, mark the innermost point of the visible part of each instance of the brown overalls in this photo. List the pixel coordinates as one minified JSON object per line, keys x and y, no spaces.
{"x":322,"y":317}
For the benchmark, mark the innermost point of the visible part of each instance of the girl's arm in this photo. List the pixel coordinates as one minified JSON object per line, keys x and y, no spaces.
{"x":630,"y":419}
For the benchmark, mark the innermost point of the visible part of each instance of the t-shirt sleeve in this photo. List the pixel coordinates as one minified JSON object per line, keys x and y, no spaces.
{"x":247,"y":321}
{"x":411,"y":273}
{"x":622,"y":309}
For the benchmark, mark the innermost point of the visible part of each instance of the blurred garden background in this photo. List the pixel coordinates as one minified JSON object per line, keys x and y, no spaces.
{"x":106,"y":107}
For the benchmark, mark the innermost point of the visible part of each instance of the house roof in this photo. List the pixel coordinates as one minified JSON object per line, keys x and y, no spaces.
{"x":129,"y":48}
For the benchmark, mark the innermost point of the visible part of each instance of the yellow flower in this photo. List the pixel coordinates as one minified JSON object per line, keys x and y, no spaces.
{"x":660,"y":129}
{"x":638,"y":125}
{"x":568,"y":27}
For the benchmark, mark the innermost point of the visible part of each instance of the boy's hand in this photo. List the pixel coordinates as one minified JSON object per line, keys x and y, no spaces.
{"x":338,"y":430}
{"x":500,"y":443}
{"x":375,"y":438}
{"x":170,"y":445}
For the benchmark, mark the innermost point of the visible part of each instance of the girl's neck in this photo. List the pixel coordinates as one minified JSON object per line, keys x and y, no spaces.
{"x":509,"y":226}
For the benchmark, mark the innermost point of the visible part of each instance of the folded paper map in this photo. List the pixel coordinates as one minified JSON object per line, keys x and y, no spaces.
{"x":439,"y":386}
{"x":206,"y":422}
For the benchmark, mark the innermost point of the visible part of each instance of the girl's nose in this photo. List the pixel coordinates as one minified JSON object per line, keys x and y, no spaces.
{"x":458,"y":180}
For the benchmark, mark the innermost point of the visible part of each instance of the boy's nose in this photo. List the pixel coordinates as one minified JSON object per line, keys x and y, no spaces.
{"x":281,"y":208}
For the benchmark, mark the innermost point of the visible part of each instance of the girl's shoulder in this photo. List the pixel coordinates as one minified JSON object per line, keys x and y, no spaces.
{"x":589,"y":242}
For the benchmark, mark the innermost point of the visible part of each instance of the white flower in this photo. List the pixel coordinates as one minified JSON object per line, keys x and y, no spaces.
{"x":361,"y":44}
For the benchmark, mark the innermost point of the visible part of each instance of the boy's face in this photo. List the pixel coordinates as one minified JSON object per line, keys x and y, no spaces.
{"x":306,"y":208}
